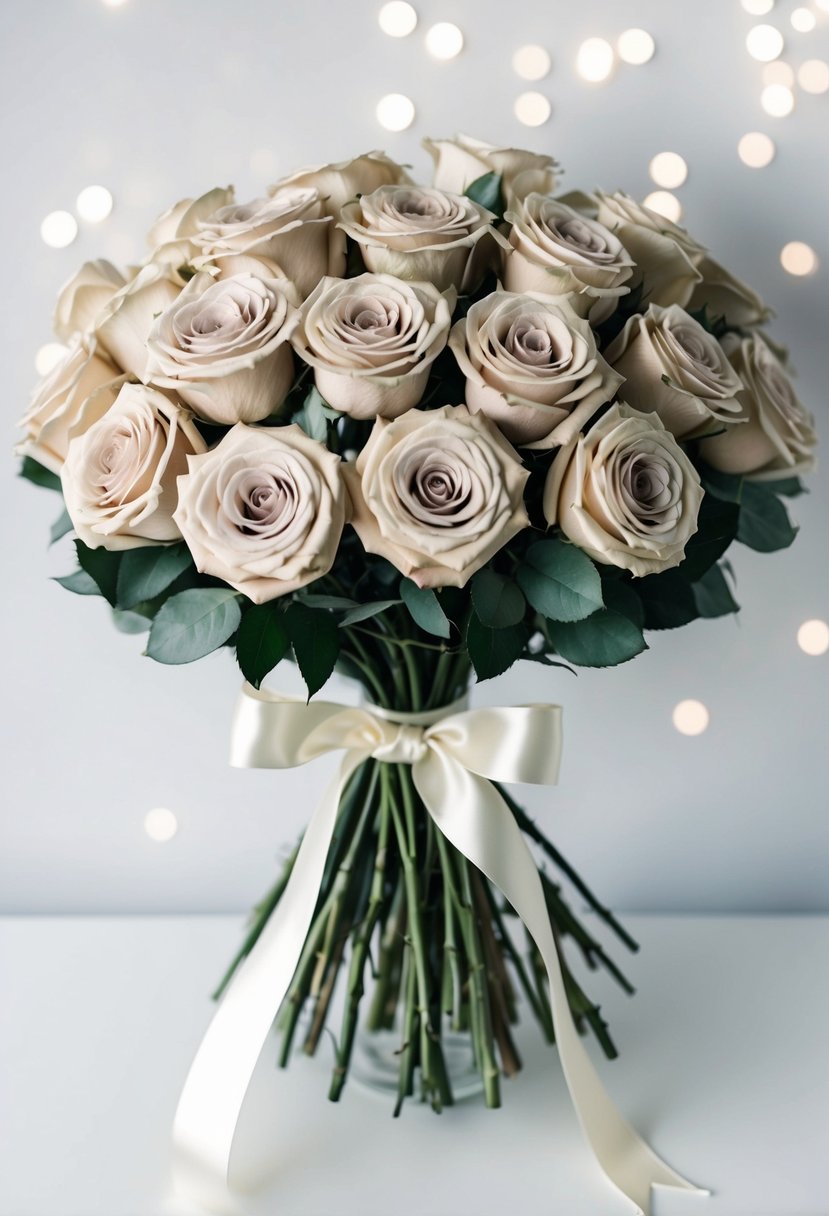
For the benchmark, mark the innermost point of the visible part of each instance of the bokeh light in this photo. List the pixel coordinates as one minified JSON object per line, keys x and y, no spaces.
{"x":395,"y":112}
{"x":635,"y":46}
{"x":691,"y":717}
{"x":798,"y":258}
{"x":665,"y":203}
{"x":59,"y":229}
{"x":668,"y":169}
{"x":444,"y":40}
{"x":594,"y":61}
{"x":531,"y":62}
{"x":397,"y":19}
{"x":764,"y":42}
{"x":532,"y":109}
{"x":813,"y":637}
{"x":756,"y":150}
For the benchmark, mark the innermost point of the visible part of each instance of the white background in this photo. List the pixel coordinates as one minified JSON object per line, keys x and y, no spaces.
{"x":163,"y":98}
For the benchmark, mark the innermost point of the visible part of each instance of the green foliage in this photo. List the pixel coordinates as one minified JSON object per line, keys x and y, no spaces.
{"x":364,"y":612}
{"x":130,"y":622}
{"x":486,"y":192}
{"x":424,"y":608}
{"x":33,"y":471}
{"x":193,"y":623}
{"x":492,"y":651}
{"x":498,"y":602}
{"x":315,"y":639}
{"x":620,"y":596}
{"x":146,"y":572}
{"x":102,"y":567}
{"x":667,"y":599}
{"x":717,"y":528}
{"x":314,"y":416}
{"x":261,"y":642}
{"x":560,"y":581}
{"x":60,"y":527}
{"x":712,"y":594}
{"x":788,"y":487}
{"x":764,"y":521}
{"x":79,"y":582}
{"x":604,"y":639}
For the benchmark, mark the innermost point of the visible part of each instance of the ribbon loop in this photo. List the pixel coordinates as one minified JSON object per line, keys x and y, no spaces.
{"x":407,"y":747}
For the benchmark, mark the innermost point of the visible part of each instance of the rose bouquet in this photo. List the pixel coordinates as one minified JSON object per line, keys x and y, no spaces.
{"x":416,"y":434}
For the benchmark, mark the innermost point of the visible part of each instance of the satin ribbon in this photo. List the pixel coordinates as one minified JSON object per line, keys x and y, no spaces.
{"x":455,"y":756}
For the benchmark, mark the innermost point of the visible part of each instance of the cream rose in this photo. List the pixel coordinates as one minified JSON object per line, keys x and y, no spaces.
{"x":726,"y":296}
{"x":67,"y":401}
{"x":119,"y":479}
{"x":122,"y":329}
{"x":532,"y":366}
{"x":290,"y":228}
{"x":666,"y":257}
{"x":223,"y":346}
{"x":777,"y":438}
{"x":171,"y":237}
{"x":673,"y":366}
{"x":437,"y":493}
{"x":372,"y":341}
{"x":462,"y":160}
{"x":340,"y":183}
{"x":625,"y":493}
{"x":84,"y":297}
{"x":560,"y":252}
{"x":264,"y":510}
{"x":423,"y":235}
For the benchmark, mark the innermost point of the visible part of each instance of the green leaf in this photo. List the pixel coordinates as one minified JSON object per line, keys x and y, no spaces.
{"x":130,"y":622}
{"x":789,"y":487}
{"x":102,"y":566}
{"x":668,"y":600}
{"x":424,"y":608}
{"x":621,"y":597}
{"x":486,"y":192}
{"x":79,"y":582}
{"x":146,"y":572}
{"x":560,"y":581}
{"x":60,"y":527}
{"x":716,"y":529}
{"x":335,"y":602}
{"x":545,"y":661}
{"x":764,"y":522}
{"x":492,"y":651}
{"x":193,"y":623}
{"x":604,"y":639}
{"x":498,"y":602}
{"x":364,"y":612}
{"x":727,"y":486}
{"x":316,"y":642}
{"x":314,"y":416}
{"x":261,"y":643}
{"x":31,"y":470}
{"x":713,"y":595}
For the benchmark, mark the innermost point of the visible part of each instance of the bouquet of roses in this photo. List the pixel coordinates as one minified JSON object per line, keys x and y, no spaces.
{"x":416,"y":434}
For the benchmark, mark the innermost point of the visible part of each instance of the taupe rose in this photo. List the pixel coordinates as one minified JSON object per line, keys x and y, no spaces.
{"x":372,"y":341}
{"x":667,"y":258}
{"x":777,"y":437}
{"x":119,"y":479}
{"x":532,"y":366}
{"x":83,"y":298}
{"x":673,"y":366}
{"x":171,"y":237}
{"x":462,"y":160}
{"x":420,"y":234}
{"x":726,"y":296}
{"x":437,"y":493}
{"x":223,"y":346}
{"x":122,"y":329}
{"x":338,"y":184}
{"x":557,"y":251}
{"x":264,"y":510}
{"x":625,"y":493}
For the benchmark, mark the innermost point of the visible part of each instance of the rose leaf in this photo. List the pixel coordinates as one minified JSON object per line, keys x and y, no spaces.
{"x":716,"y":529}
{"x":144,"y":573}
{"x":486,"y":192}
{"x":315,"y":639}
{"x":492,"y":651}
{"x":764,"y":522}
{"x":79,"y":582}
{"x":604,"y":639}
{"x":102,"y":566}
{"x":498,"y":601}
{"x":668,"y":600}
{"x":424,"y":608}
{"x":560,"y":581}
{"x":60,"y":527}
{"x":193,"y":623}
{"x":364,"y":612}
{"x":261,"y":643}
{"x":713,"y":595}
{"x":31,"y":470}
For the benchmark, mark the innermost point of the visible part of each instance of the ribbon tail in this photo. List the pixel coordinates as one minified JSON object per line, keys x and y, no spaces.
{"x":475,"y":819}
{"x":220,"y":1075}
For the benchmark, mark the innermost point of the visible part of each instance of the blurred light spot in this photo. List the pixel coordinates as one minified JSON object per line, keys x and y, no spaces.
{"x":48,"y":356}
{"x":777,"y":100}
{"x":764,"y":42}
{"x":756,"y":150}
{"x":397,"y":19}
{"x":813,"y":637}
{"x":803,"y":20}
{"x":160,"y":824}
{"x":813,"y":76}
{"x":778,"y":72}
{"x":668,"y":169}
{"x":444,"y":40}
{"x":823,"y":5}
{"x":635,"y":46}
{"x":690,"y":717}
{"x":594,"y":61}
{"x":531,"y":62}
{"x":664,"y":203}
{"x":93,"y":204}
{"x":533,"y":109}
{"x":798,"y":258}
{"x":59,"y":229}
{"x":758,"y":8}
{"x":395,"y":112}
{"x":263,"y":162}
{"x":114,"y":3}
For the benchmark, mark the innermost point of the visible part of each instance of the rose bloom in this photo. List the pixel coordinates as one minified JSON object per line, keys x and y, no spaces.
{"x":672,"y":365}
{"x":462,"y":160}
{"x":437,"y":493}
{"x":84,"y":297}
{"x":726,"y":296}
{"x":171,"y":237}
{"x":421,"y":234}
{"x":119,"y":479}
{"x":340,"y":183}
{"x":122,"y":329}
{"x":223,"y":346}
{"x":666,"y":257}
{"x":777,"y":438}
{"x":372,"y":341}
{"x":532,"y":366}
{"x":290,"y":228}
{"x":560,"y":252}
{"x":67,"y":401}
{"x":625,"y":493}
{"x":264,"y":510}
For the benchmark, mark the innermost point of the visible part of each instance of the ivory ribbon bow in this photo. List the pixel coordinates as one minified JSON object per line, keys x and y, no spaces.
{"x":455,"y":757}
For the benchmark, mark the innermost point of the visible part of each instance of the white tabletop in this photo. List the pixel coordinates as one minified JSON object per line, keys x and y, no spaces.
{"x":724,"y":1066}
